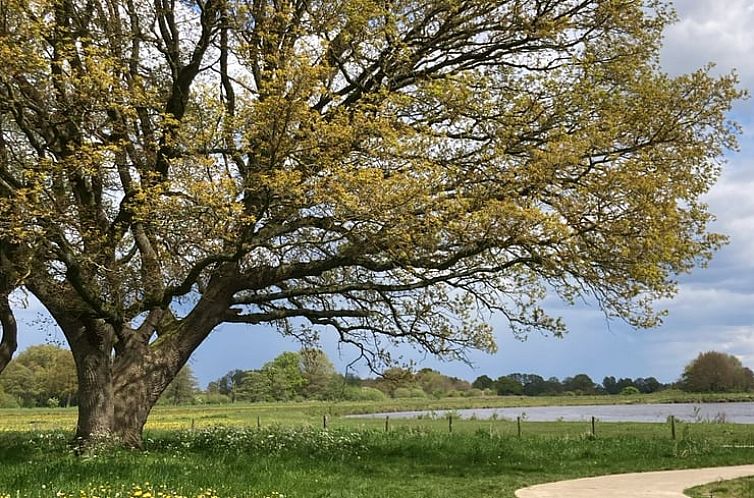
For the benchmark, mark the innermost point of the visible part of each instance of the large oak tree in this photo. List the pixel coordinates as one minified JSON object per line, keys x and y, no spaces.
{"x":388,"y":170}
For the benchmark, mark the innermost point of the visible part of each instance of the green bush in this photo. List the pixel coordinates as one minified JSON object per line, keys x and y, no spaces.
{"x":8,"y":401}
{"x":353,"y":393}
{"x":413,"y":392}
{"x":629,"y":390}
{"x":211,"y":399}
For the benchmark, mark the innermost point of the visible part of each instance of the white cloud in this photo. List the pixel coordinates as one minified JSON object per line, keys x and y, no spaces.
{"x":711,"y":31}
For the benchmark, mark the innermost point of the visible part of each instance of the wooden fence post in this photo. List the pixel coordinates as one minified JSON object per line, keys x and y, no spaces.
{"x":518,"y":422}
{"x":387,"y":423}
{"x":672,"y":427}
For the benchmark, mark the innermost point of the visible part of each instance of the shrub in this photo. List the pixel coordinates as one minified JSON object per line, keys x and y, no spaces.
{"x":212,"y":399}
{"x":8,"y":401}
{"x":629,"y":390}
{"x":353,"y":393}
{"x":405,"y":392}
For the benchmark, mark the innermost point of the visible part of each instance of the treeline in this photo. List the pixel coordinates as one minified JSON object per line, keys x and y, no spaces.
{"x":581,"y":384}
{"x":44,"y":376}
{"x":309,"y":374}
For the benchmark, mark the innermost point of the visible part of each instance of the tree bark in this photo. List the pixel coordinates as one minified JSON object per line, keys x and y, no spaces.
{"x":92,"y":352}
{"x":121,"y":374}
{"x":9,"y":328}
{"x":139,"y":380}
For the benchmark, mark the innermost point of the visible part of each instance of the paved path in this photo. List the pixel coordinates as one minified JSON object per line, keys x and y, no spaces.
{"x":664,"y":484}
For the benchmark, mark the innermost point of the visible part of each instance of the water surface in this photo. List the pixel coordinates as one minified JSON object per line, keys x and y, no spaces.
{"x":742,"y":413}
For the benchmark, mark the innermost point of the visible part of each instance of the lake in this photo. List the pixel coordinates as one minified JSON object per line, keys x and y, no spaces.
{"x":741,"y":413}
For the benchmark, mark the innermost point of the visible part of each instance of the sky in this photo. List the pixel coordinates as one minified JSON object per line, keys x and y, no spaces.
{"x":713,"y":310}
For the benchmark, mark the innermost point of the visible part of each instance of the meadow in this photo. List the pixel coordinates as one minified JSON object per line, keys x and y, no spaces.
{"x":282,"y":450}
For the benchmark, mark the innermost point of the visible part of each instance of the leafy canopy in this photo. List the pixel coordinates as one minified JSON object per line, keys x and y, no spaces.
{"x":391,"y":170}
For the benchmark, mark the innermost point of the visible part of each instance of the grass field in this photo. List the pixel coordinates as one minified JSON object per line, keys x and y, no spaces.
{"x":226,"y":455}
{"x":736,"y":488}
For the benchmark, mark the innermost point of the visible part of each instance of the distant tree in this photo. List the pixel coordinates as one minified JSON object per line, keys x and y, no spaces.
{"x":507,"y":385}
{"x":716,"y":372}
{"x":647,"y":385}
{"x":482,"y":382}
{"x":318,"y":372}
{"x":39,"y":374}
{"x":437,"y":384}
{"x":610,"y":385}
{"x":183,"y":388}
{"x":278,"y":380}
{"x":533,"y":384}
{"x":579,"y":384}
{"x":256,"y":386}
{"x":624,"y":383}
{"x":18,"y":381}
{"x":394,"y":378}
{"x":553,"y":386}
{"x":227,"y":384}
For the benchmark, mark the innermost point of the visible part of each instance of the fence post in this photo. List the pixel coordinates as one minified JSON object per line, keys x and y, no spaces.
{"x":192,"y":424}
{"x":672,"y":427}
{"x":387,"y":423}
{"x":259,"y":422}
{"x":450,"y":423}
{"x":518,"y":423}
{"x":324,"y":421}
{"x":594,"y":432}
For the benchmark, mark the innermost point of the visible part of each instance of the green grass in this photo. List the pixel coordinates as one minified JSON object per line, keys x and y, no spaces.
{"x":736,"y":488}
{"x":293,"y":456}
{"x":342,"y":462}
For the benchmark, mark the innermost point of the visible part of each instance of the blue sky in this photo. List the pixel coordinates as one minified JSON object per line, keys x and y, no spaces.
{"x":714,"y":309}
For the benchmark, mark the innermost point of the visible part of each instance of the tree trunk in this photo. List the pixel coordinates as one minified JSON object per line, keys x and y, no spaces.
{"x":92,"y":353}
{"x":9,"y":330}
{"x":139,"y":380}
{"x":132,"y":407}
{"x":117,"y":391}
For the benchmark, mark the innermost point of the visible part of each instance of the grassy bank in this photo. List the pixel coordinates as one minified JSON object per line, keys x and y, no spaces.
{"x":309,"y":462}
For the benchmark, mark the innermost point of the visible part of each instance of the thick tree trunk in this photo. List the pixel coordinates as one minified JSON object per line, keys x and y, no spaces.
{"x":8,"y":325}
{"x":93,"y":356}
{"x":118,"y":391}
{"x":132,"y":408}
{"x":9,"y":331}
{"x":140,"y":378}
